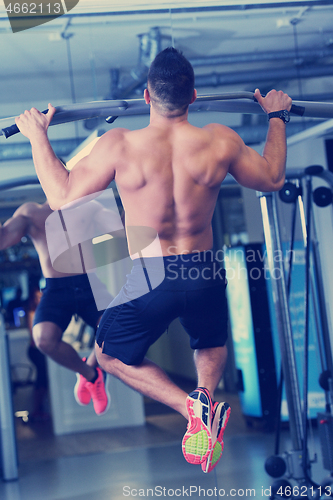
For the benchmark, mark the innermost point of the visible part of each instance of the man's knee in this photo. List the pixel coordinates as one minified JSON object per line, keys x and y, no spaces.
{"x":212,"y":351}
{"x":108,"y":363}
{"x":46,"y":337}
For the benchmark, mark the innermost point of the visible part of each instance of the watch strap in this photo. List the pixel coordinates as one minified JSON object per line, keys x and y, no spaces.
{"x":283,"y":114}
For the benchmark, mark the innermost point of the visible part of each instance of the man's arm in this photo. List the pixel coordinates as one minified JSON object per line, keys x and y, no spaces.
{"x":15,"y":228}
{"x":264,"y":172}
{"x":91,"y":174}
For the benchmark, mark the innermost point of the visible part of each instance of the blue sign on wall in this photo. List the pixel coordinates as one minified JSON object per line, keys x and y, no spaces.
{"x":242,"y":329}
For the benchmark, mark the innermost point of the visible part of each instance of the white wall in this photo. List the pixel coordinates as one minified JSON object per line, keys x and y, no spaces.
{"x":306,"y":153}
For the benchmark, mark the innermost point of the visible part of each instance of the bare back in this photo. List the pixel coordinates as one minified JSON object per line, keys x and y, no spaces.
{"x":169,"y":179}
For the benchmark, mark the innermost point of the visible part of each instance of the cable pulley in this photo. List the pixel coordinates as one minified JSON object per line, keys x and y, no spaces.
{"x":322,"y":196}
{"x":290,"y":192}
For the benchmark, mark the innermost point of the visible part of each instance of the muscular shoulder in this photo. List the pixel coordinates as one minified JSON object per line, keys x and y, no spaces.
{"x":225,"y":140}
{"x":29,"y":210}
{"x":18,"y":225}
{"x":113,"y":137}
{"x":108,"y":147}
{"x":222,"y":132}
{"x":33,"y":215}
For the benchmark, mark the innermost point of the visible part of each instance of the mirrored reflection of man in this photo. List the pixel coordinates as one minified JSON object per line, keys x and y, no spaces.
{"x":65,"y":294}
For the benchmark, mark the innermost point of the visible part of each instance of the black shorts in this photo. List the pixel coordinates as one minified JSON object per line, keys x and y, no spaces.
{"x":64,"y":297}
{"x":192,"y":290}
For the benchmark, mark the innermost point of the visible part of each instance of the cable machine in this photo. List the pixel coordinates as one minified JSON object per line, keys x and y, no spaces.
{"x":295,"y":464}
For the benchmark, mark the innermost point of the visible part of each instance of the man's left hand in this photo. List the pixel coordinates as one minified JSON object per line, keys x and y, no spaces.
{"x":32,"y":123}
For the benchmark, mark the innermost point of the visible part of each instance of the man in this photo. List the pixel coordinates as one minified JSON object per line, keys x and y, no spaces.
{"x":168,"y":176}
{"x":65,"y":294}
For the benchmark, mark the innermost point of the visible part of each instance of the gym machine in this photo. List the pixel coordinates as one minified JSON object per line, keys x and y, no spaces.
{"x":295,"y":464}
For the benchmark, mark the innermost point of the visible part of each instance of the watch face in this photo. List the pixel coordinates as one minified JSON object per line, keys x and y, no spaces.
{"x":285,"y":115}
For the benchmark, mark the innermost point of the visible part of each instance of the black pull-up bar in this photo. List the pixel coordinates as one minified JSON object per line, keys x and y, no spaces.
{"x":234,"y":102}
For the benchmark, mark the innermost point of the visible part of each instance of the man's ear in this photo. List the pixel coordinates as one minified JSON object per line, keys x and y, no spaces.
{"x":146,"y":96}
{"x":194,"y":96}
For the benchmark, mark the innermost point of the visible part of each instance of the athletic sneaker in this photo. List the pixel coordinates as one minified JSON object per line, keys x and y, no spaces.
{"x":99,"y":394}
{"x":197,"y":441}
{"x":81,"y":393}
{"x":221,"y":412}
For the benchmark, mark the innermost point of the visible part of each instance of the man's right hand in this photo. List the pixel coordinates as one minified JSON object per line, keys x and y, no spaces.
{"x":273,"y":101}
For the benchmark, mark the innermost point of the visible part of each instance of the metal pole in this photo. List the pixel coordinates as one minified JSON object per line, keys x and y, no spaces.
{"x":7,"y":428}
{"x":317,"y":283}
{"x":277,"y":274}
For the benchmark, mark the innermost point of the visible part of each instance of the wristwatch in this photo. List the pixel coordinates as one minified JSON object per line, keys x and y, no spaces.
{"x":283,"y":115}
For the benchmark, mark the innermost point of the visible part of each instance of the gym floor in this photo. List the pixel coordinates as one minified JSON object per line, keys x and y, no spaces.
{"x":143,"y":461}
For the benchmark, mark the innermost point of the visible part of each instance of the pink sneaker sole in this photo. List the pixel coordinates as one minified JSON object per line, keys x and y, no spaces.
{"x":220,"y":420}
{"x":197,"y":441}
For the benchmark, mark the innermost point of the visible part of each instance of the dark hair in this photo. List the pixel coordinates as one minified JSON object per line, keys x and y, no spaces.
{"x":171,"y":80}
